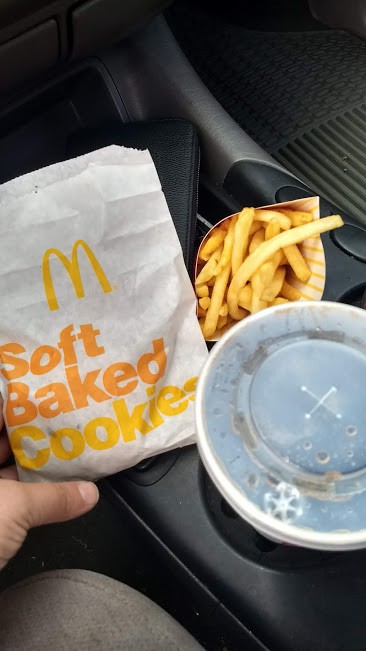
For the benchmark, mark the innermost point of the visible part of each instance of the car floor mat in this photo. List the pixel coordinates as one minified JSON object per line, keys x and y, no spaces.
{"x":300,"y":95}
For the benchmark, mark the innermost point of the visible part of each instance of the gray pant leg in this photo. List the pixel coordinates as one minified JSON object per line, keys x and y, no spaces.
{"x":76,"y":609}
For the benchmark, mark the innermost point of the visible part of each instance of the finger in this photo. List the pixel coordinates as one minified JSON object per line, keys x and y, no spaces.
{"x":9,"y":473}
{"x":46,"y":503}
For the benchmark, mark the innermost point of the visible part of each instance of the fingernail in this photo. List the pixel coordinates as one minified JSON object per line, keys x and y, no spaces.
{"x":88,"y":492}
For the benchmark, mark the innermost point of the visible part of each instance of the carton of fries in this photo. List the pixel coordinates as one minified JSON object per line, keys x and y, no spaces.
{"x":257,"y":258}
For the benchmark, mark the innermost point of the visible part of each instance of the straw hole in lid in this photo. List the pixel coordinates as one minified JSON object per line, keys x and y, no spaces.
{"x":322,"y":457}
{"x":351,"y":430}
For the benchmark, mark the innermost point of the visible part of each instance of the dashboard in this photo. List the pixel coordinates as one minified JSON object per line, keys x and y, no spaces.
{"x":37,"y":35}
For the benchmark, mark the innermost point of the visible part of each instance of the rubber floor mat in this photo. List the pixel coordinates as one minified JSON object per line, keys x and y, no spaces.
{"x":301,"y":96}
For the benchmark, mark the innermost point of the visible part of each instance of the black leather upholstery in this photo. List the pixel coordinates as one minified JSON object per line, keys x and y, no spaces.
{"x":173,"y":145}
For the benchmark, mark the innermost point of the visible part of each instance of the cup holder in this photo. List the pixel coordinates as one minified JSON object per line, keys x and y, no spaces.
{"x":249,"y":543}
{"x":354,"y":296}
{"x":228,"y":510}
{"x":263,"y":544}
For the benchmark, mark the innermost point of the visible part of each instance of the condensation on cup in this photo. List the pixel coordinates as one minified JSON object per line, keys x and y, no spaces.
{"x":281,"y":423}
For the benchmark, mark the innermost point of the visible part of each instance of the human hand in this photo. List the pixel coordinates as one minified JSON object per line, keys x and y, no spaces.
{"x":23,"y":506}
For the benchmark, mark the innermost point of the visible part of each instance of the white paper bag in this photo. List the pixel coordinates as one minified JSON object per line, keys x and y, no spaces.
{"x":99,"y":343}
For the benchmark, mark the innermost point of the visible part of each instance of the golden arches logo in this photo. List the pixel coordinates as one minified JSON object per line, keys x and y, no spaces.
{"x":72,"y":268}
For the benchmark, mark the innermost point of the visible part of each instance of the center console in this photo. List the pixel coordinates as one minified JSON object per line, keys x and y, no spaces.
{"x":270,"y":595}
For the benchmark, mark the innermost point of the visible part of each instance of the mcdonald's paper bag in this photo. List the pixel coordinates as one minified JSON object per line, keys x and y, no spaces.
{"x":100,"y":347}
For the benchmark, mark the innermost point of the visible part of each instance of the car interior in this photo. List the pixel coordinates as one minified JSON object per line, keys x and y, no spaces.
{"x":269,"y":99}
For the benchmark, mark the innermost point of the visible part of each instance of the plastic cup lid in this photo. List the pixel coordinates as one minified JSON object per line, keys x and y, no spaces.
{"x":281,"y":421}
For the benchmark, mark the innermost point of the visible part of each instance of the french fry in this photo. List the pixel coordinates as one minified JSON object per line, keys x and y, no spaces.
{"x":218,"y":292}
{"x":241,"y":237}
{"x":274,"y":288}
{"x":214,"y":241}
{"x":266,"y":273}
{"x":290,"y":292}
{"x":297,"y":262}
{"x":228,"y":246}
{"x":221,"y":322}
{"x":202,"y":290}
{"x":204,"y":302}
{"x":283,"y":259}
{"x":201,"y":311}
{"x":257,"y":291}
{"x":255,"y":227}
{"x":298,"y":217}
{"x":224,"y":310}
{"x":225,"y":328}
{"x":268,"y":269}
{"x":207,"y":271}
{"x":272,"y":229}
{"x":279,"y":301}
{"x":266,"y":216}
{"x":245,"y":297}
{"x":256,"y":282}
{"x":258,"y":305}
{"x":264,"y":251}
{"x":256,"y":240}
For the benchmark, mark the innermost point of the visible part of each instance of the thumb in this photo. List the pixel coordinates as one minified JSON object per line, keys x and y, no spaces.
{"x":45,"y":503}
{"x":23,"y":506}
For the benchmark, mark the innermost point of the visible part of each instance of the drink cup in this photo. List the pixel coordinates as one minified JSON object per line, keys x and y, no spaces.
{"x":281,"y":423}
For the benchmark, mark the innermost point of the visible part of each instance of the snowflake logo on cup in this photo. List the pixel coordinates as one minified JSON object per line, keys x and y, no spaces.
{"x":283,"y":503}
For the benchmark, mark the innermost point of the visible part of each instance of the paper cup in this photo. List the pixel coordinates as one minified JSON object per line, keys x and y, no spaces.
{"x":280,"y":420}
{"x":311,"y":249}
